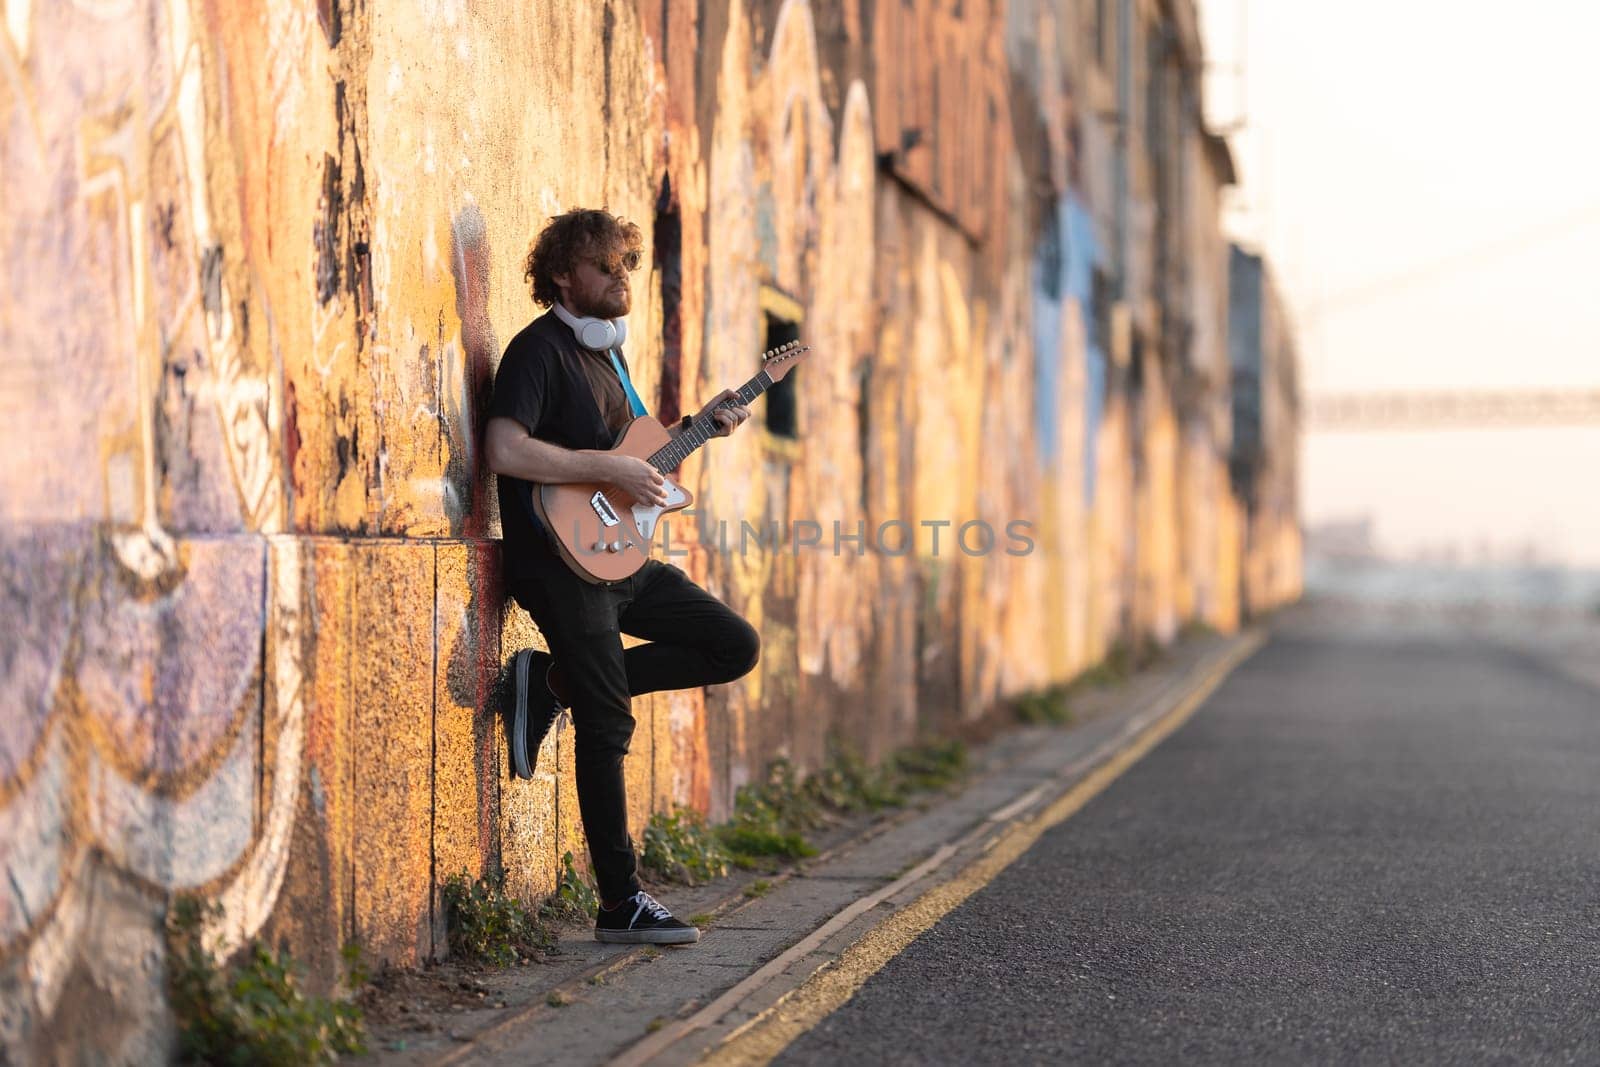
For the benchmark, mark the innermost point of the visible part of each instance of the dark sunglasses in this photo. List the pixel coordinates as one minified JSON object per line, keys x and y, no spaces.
{"x":610,"y":265}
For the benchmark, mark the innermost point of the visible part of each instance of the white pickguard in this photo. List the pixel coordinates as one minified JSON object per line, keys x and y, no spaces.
{"x":645,"y":516}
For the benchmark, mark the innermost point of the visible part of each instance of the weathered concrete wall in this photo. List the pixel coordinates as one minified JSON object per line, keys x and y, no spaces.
{"x":261,"y":259}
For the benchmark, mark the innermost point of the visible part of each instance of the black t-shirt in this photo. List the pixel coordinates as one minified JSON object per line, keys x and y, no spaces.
{"x":544,"y":384}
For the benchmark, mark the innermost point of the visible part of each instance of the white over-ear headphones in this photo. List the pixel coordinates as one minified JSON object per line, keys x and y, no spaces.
{"x":595,"y":334}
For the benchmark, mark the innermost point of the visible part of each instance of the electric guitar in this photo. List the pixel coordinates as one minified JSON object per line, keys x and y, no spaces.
{"x":601,"y":533}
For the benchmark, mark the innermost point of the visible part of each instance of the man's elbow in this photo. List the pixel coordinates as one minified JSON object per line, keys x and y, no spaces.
{"x":497,"y":450}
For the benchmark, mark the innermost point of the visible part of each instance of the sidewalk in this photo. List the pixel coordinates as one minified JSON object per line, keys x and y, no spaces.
{"x":601,"y":1003}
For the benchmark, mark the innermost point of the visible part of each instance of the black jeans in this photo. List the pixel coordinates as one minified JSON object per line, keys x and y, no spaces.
{"x":694,"y":640}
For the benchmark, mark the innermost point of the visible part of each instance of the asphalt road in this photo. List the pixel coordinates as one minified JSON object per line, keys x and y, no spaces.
{"x":1359,"y":851}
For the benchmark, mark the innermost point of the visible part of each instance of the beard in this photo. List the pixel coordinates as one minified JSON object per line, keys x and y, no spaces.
{"x":603,"y":304}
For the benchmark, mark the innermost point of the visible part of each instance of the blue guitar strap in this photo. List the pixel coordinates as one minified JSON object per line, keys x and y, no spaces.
{"x":634,"y":403}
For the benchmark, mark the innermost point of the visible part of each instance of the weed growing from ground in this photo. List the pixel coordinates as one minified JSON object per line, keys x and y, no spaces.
{"x":782,"y":802}
{"x":252,"y":1012}
{"x":1121,"y":660}
{"x":486,"y":925}
{"x":575,"y":899}
{"x":679,"y":847}
{"x":1045,"y":707}
{"x":770,"y":820}
{"x":758,"y":888}
{"x":749,"y":845}
{"x":931,"y":766}
{"x":847,"y":783}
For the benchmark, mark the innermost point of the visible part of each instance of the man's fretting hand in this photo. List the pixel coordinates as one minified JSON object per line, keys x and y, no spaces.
{"x":725,"y":419}
{"x":639,"y":480}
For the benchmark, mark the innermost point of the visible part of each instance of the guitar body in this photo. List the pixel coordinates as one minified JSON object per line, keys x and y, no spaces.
{"x":598,"y":529}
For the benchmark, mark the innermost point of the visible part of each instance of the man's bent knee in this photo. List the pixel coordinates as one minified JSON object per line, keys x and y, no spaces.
{"x":742,"y":651}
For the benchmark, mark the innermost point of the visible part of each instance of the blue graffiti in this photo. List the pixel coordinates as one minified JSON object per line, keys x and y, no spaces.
{"x":1047,"y":298}
{"x":1063,"y":269}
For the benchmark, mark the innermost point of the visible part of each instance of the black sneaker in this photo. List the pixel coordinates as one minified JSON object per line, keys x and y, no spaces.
{"x":534,"y":708}
{"x":641,"y":920}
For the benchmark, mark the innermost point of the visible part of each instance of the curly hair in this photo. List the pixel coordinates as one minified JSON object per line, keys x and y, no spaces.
{"x":568,"y":238}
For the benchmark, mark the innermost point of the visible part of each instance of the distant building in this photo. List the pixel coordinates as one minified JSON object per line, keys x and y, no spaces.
{"x":1346,"y":539}
{"x":1265,"y":459}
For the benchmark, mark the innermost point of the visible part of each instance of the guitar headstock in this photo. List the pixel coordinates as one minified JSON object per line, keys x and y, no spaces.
{"x":781,"y":360}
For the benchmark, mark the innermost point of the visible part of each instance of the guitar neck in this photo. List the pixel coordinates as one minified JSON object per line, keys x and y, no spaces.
{"x":704,"y":428}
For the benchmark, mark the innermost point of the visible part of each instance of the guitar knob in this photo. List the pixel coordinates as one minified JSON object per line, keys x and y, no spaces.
{"x":616,"y":546}
{"x":598,"y":546}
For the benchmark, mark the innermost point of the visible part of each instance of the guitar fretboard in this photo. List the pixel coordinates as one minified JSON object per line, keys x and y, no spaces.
{"x":704,"y":428}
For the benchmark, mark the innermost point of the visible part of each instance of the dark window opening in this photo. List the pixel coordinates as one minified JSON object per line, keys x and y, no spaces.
{"x":781,"y":402}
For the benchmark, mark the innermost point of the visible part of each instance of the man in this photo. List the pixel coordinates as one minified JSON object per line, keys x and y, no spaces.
{"x":561,"y":396}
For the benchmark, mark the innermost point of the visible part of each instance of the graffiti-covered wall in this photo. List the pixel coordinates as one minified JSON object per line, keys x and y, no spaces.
{"x":260,"y":263}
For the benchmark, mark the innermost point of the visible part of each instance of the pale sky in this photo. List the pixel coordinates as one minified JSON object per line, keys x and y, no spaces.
{"x":1425,"y":178}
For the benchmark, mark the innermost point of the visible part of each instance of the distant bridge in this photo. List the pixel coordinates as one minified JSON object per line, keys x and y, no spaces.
{"x":1451,"y":410}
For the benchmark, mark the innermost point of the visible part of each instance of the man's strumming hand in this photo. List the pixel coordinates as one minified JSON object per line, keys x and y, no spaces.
{"x":638,"y":479}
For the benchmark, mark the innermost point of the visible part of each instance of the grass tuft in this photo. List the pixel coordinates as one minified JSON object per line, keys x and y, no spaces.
{"x":488,"y":926}
{"x":847,"y":783}
{"x":1045,"y":707}
{"x":770,"y":820}
{"x":750,"y":845}
{"x":253,"y":1012}
{"x":679,"y":847}
{"x":931,"y":766}
{"x":574,"y":900}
